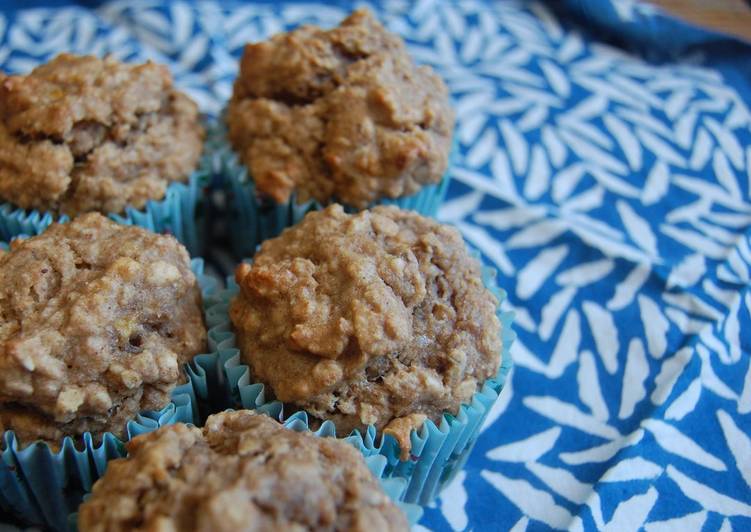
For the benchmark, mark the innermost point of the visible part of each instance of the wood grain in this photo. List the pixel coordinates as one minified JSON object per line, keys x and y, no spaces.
{"x":728,"y":16}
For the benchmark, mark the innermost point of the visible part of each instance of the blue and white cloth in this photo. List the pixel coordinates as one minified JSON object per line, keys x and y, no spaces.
{"x":605,"y":170}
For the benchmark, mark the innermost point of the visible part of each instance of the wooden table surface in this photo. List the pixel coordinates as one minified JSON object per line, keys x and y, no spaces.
{"x":729,"y":16}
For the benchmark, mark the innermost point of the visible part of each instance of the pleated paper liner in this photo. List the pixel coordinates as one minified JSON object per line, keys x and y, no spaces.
{"x":438,"y":452}
{"x":41,"y":486}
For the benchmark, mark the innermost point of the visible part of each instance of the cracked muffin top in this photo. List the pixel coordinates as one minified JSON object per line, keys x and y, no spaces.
{"x":97,"y":321}
{"x":82,"y":134}
{"x":375,"y":318}
{"x":240,"y":472}
{"x":339,"y":115}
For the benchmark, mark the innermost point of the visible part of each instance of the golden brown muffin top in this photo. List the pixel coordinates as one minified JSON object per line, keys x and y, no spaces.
{"x":97,"y":321}
{"x":241,"y":472}
{"x":82,"y":134}
{"x":375,"y":318}
{"x":340,"y":114}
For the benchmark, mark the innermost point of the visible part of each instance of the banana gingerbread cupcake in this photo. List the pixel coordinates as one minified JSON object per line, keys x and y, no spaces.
{"x":98,"y":323}
{"x":377,"y":319}
{"x":240,"y":472}
{"x":81,"y":134}
{"x":339,"y":115}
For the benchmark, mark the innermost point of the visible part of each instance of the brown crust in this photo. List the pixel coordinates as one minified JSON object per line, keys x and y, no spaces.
{"x":82,"y":134}
{"x":341,"y":114}
{"x":368,"y":319}
{"x":98,"y":320}
{"x":242,"y":471}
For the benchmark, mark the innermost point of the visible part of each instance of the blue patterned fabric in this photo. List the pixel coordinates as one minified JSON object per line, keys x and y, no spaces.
{"x":605,"y":170}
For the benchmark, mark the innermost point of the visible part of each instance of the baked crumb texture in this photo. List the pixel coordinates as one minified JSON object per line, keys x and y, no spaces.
{"x":375,"y":318}
{"x":241,"y":472}
{"x":82,"y":134}
{"x":340,"y":114}
{"x":97,"y":321}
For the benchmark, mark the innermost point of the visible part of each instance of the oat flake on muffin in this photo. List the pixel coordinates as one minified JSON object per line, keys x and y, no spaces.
{"x":81,"y":134}
{"x":241,"y":472}
{"x":376,"y":318}
{"x":98,"y":320}
{"x":341,"y":114}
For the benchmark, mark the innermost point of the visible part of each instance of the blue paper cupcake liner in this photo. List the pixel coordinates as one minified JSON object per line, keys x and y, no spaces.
{"x":182,"y":211}
{"x":41,"y":486}
{"x":393,"y":487}
{"x":438,"y":451}
{"x":254,"y":219}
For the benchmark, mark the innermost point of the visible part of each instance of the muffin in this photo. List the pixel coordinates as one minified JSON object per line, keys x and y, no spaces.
{"x":379,"y":318}
{"x":98,"y":321}
{"x":337,"y":115}
{"x":82,"y":134}
{"x":242,"y":471}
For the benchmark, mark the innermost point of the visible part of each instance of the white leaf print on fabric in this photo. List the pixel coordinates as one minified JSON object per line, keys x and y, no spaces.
{"x":707,"y":497}
{"x":685,"y":403}
{"x":637,"y":228}
{"x":636,"y":468}
{"x":702,"y":150}
{"x":586,"y":201}
{"x":725,"y":174}
{"x":584,"y":274}
{"x":709,"y":378}
{"x":556,"y":78}
{"x":603,"y":330}
{"x":674,"y":441}
{"x":460,"y":207}
{"x":569,"y":415}
{"x":635,"y":374}
{"x":521,"y":525}
{"x":537,"y":271}
{"x":670,"y":370}
{"x":561,"y":482}
{"x":567,"y":347}
{"x":517,"y":146}
{"x":632,"y":150}
{"x":452,"y":501}
{"x":482,"y":151}
{"x":555,"y":147}
{"x":589,"y":387}
{"x":739,"y":444}
{"x":627,"y":289}
{"x":567,"y":180}
{"x":694,"y":521}
{"x":657,"y":185}
{"x":502,"y":403}
{"x":655,"y":325}
{"x":527,"y":450}
{"x":630,"y":514}
{"x":688,"y":272}
{"x":602,"y":453}
{"x":536,"y":504}
{"x":552,"y":311}
{"x":537,"y":234}
{"x":744,"y":402}
{"x":539,"y":174}
{"x":523,"y":357}
{"x":727,"y":141}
